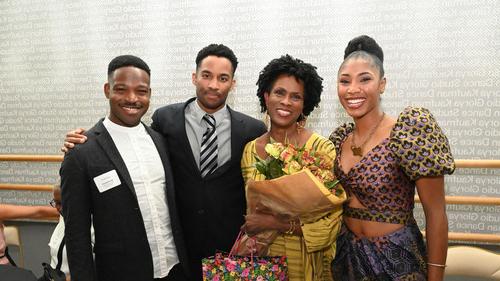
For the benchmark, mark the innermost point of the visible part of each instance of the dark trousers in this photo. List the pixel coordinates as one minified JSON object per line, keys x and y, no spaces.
{"x":195,"y":268}
{"x":175,"y":274}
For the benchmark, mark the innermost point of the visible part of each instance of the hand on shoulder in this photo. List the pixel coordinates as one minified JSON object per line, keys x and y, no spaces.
{"x":73,"y":137}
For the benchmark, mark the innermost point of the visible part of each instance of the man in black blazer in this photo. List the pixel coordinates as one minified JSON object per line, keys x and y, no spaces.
{"x":211,"y":207}
{"x":121,"y":180}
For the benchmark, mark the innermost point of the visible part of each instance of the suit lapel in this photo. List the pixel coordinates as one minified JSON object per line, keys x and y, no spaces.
{"x":180,"y":132}
{"x":106,"y":142}
{"x":161,"y":147}
{"x":237,"y":130}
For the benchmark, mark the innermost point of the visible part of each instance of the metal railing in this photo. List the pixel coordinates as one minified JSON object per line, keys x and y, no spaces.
{"x":456,"y":200}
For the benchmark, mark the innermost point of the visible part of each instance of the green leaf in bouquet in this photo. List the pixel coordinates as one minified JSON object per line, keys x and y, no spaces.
{"x":331,"y":186}
{"x":338,"y":192}
{"x":262,"y":166}
{"x":275,"y":168}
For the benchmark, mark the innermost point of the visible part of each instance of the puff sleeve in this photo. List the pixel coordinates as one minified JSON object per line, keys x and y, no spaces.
{"x":420,"y":145}
{"x":340,"y":133}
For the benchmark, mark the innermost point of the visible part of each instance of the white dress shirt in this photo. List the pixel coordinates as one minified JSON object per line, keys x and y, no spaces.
{"x":55,"y":242}
{"x":144,"y":165}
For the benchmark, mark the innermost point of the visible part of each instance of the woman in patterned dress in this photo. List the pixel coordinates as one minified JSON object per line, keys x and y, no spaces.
{"x":289,"y":89}
{"x":380,"y":160}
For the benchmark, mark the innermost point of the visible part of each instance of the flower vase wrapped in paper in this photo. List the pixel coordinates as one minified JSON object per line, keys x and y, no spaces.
{"x":299,"y":183}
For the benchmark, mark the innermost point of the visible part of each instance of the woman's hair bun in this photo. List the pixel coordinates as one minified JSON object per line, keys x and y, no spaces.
{"x":364,"y":43}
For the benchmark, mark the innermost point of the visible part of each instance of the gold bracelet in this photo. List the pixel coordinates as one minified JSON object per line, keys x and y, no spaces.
{"x":291,"y":229}
{"x":436,"y":264}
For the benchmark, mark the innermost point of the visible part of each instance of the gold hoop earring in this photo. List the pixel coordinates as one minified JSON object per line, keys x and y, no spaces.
{"x":267,"y":120}
{"x":302,"y":123}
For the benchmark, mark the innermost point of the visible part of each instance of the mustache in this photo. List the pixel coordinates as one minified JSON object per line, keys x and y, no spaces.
{"x":213,"y":92}
{"x":132,"y":104}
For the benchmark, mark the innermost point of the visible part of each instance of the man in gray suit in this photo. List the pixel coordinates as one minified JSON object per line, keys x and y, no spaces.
{"x":121,"y":180}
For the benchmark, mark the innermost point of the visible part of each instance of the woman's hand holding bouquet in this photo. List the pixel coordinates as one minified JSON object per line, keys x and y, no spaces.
{"x":299,"y":188}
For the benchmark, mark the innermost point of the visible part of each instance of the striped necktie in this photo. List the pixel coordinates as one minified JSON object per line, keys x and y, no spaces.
{"x":208,"y":150}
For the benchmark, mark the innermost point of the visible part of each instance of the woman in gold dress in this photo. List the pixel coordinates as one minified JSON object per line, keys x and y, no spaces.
{"x":289,"y":89}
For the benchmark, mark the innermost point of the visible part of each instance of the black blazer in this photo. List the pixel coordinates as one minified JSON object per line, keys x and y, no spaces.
{"x":211,"y":209}
{"x":121,"y":247}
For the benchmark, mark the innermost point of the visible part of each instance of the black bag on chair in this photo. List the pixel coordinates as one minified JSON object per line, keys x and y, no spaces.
{"x":51,"y":274}
{"x":9,"y":258}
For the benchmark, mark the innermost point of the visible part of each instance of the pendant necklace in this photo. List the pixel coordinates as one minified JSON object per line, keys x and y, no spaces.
{"x":358,"y":150}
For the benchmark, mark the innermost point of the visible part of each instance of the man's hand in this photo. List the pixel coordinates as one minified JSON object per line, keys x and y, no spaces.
{"x":72,"y":138}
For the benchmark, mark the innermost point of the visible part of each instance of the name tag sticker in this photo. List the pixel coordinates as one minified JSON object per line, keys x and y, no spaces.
{"x":107,"y":181}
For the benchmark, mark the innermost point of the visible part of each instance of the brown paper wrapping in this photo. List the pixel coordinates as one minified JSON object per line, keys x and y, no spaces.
{"x":299,"y":195}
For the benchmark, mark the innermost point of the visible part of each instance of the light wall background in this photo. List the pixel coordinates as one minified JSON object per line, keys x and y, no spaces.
{"x":442,"y":55}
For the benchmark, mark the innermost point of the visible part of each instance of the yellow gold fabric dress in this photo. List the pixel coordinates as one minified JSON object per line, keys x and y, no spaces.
{"x":310,"y":255}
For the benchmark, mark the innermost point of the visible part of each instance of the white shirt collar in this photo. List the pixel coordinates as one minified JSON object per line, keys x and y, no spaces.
{"x":128,"y":130}
{"x":219,"y":115}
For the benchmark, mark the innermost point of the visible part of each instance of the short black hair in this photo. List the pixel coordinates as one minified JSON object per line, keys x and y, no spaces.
{"x":127,"y":60}
{"x":367,"y":48}
{"x":218,"y":50}
{"x":305,"y":72}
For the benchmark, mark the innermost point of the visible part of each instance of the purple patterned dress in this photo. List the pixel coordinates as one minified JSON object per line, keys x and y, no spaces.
{"x":384,"y":182}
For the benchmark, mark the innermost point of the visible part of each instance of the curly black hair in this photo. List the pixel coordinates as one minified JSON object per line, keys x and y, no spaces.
{"x":218,"y":50}
{"x":305,"y":72}
{"x":365,"y":47}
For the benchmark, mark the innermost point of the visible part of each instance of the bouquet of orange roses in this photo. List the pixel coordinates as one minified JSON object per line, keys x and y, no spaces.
{"x":299,"y":183}
{"x":288,"y":160}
